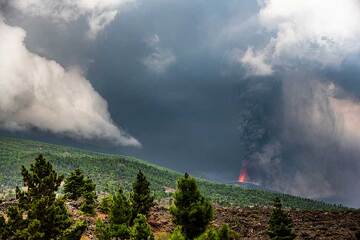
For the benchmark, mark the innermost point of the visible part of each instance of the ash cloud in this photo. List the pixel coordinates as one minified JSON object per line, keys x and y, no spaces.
{"x":313,"y":152}
{"x":36,"y":92}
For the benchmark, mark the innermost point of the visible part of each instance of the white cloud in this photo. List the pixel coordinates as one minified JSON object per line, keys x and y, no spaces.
{"x":160,"y":59}
{"x":98,"y":22}
{"x":255,"y":63}
{"x":316,"y":31}
{"x":39,"y":93}
{"x":99,"y":13}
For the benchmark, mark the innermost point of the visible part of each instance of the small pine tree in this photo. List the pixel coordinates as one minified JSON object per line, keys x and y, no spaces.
{"x":190,"y":210}
{"x":141,"y":229}
{"x":119,"y":218}
{"x":89,"y":195}
{"x":280,"y":224}
{"x":106,"y":204}
{"x":41,"y":181}
{"x":120,"y":211}
{"x":74,"y":184}
{"x":141,"y":198}
{"x":102,"y":230}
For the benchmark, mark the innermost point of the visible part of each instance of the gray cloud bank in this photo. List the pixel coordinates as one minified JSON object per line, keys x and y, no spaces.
{"x":40,"y":93}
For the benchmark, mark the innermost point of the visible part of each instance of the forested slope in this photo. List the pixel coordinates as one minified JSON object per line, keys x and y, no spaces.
{"x":108,"y":171}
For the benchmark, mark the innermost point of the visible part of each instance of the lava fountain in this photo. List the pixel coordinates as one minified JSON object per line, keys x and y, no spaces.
{"x":243,"y":175}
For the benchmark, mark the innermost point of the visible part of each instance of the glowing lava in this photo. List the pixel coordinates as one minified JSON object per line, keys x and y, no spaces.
{"x":243,"y":175}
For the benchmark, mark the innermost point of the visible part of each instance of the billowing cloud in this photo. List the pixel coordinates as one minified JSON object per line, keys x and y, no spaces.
{"x":160,"y":59}
{"x":99,"y":13}
{"x":255,"y":63}
{"x":310,"y":32}
{"x":39,"y":93}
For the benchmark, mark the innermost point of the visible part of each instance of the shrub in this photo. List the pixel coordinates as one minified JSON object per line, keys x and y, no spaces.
{"x":75,"y":231}
{"x":210,"y":234}
{"x":177,"y":234}
{"x":224,"y":233}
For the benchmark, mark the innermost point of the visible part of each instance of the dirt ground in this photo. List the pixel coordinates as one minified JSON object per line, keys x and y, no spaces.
{"x":250,"y":223}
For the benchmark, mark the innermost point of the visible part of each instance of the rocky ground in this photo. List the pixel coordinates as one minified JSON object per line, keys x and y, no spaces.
{"x":251,"y":223}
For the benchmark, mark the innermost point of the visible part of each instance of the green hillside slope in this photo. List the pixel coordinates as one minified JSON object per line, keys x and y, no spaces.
{"x":108,"y":171}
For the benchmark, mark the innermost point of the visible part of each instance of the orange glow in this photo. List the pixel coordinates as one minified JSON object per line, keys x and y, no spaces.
{"x":243,"y":176}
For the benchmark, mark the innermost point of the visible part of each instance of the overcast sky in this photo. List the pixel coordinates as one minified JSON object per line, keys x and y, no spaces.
{"x":205,"y":86}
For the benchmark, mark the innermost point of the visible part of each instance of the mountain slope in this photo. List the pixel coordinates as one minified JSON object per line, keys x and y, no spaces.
{"x":108,"y":171}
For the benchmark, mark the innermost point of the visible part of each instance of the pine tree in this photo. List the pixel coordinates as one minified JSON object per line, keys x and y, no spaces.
{"x":119,"y":218}
{"x":190,"y":209}
{"x":120,"y":211}
{"x":106,"y":204}
{"x":41,"y":182}
{"x":141,"y":229}
{"x":141,"y":198}
{"x":89,"y":195}
{"x":280,"y":224}
{"x":74,"y":184}
{"x":47,"y":216}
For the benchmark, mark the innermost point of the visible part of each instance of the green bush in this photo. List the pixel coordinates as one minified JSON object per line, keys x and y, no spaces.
{"x":224,"y":233}
{"x":177,"y":234}
{"x":75,"y":231}
{"x":210,"y":234}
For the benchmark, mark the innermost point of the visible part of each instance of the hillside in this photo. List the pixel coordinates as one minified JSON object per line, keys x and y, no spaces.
{"x":108,"y":171}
